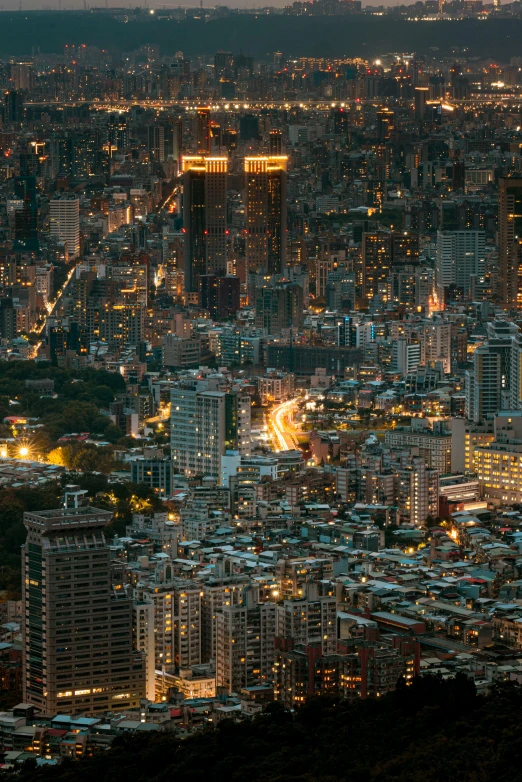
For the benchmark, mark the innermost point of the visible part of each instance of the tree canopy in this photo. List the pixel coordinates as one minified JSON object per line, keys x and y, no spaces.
{"x":432,"y":731}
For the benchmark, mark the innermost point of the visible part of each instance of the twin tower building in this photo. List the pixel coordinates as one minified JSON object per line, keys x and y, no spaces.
{"x":205,"y":222}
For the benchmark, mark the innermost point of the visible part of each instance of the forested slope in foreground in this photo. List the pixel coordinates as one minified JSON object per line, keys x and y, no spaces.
{"x":433,"y":731}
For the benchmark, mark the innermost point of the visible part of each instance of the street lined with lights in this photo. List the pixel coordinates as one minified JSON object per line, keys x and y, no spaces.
{"x":284,"y":437}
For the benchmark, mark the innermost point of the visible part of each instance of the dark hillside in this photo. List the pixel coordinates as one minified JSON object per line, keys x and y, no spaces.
{"x":434,"y":731}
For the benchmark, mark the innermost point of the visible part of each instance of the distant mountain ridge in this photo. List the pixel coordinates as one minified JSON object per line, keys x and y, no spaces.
{"x":357,"y":35}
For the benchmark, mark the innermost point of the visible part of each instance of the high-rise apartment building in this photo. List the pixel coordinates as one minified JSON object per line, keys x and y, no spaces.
{"x":217,"y":595}
{"x":78,"y":625}
{"x":311,"y":619}
{"x":144,"y":636}
{"x":266,"y":213}
{"x":510,"y":241}
{"x":405,"y":248}
{"x":376,"y":262}
{"x":460,"y":254}
{"x":435,"y":341}
{"x":434,"y":446}
{"x":204,"y":424}
{"x":245,"y":645}
{"x":515,"y":371}
{"x":418,"y":491}
{"x":204,"y":217}
{"x":65,"y":222}
{"x":405,"y":356}
{"x":484,"y":385}
{"x":177,"y":620}
{"x":279,"y":307}
{"x":117,"y":324}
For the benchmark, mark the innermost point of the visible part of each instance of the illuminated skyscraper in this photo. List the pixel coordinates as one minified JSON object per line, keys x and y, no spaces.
{"x":276,"y":143}
{"x":510,"y":241}
{"x":117,"y":131}
{"x":421,"y":96}
{"x":203,"y":131}
{"x":385,"y":120}
{"x":26,"y":218}
{"x":65,"y":221}
{"x":266,"y":213}
{"x":204,"y":217}
{"x":156,"y":143}
{"x":14,"y":106}
{"x":77,"y":629}
{"x":376,"y":262}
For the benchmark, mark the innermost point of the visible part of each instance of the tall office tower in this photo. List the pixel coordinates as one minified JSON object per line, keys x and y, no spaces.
{"x":249,"y":127}
{"x":459,"y":174}
{"x":204,"y":424}
{"x":219,"y":295}
{"x":223,"y":65}
{"x":421,"y":96}
{"x":26,"y":218}
{"x":266,"y":214}
{"x":204,"y":217}
{"x":341,"y":121}
{"x":65,"y":222}
{"x":77,"y":627}
{"x":275,"y":143}
{"x":77,"y":154}
{"x":14,"y":106}
{"x":245,"y":645}
{"x":385,"y":120}
{"x":22,"y":74}
{"x":156,"y":142}
{"x":459,"y":255}
{"x":279,"y":307}
{"x":510,"y":241}
{"x":203,"y":131}
{"x":376,"y":262}
{"x":484,"y":385}
{"x":174,"y":138}
{"x":117,"y":131}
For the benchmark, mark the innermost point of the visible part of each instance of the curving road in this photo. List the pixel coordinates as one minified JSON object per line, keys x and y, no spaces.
{"x":284,"y":438}
{"x":51,"y":306}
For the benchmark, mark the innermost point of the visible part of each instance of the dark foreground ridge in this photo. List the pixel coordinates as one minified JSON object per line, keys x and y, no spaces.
{"x":433,"y":731}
